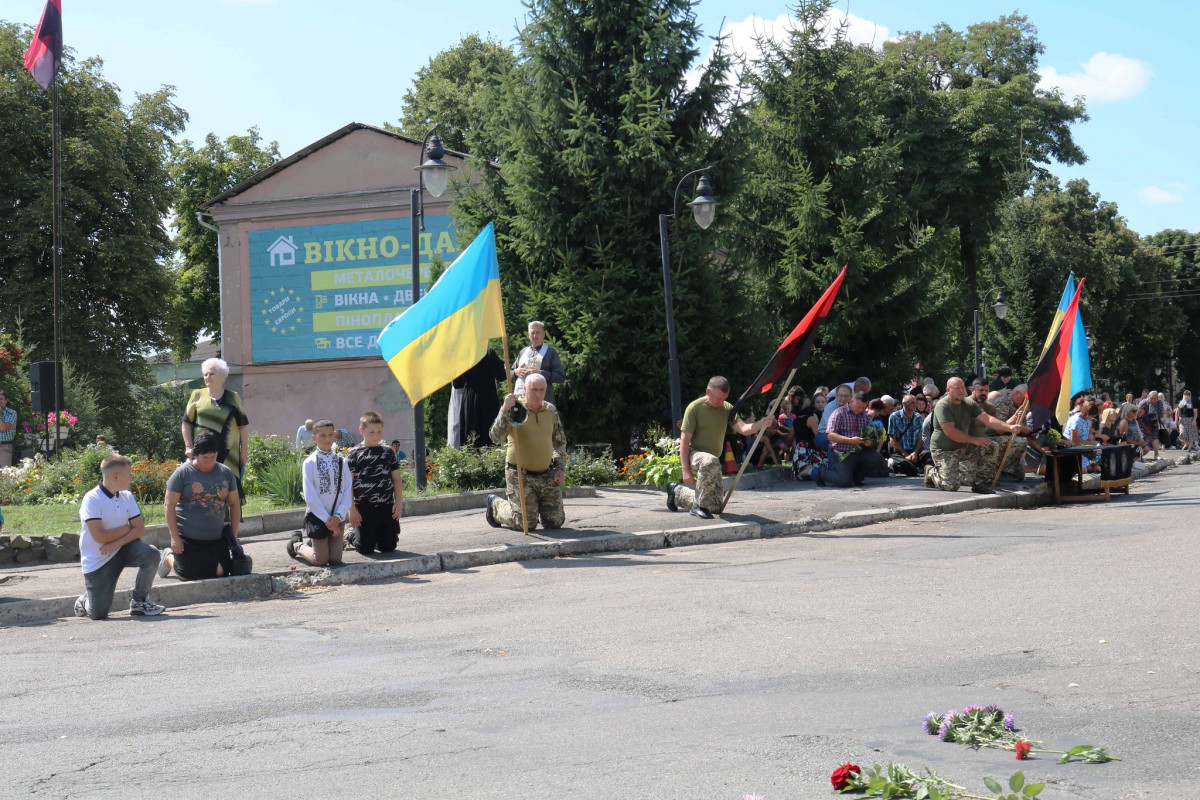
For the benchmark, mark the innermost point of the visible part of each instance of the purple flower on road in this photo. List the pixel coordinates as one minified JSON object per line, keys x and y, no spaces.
{"x":1010,"y":724}
{"x":930,"y":723}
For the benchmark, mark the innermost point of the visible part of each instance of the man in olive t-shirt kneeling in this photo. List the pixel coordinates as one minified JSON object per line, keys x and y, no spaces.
{"x":959,"y":457}
{"x":701,"y":441}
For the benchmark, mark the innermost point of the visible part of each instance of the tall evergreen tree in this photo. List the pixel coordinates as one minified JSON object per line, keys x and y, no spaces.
{"x":826,"y":185}
{"x":115,"y":193}
{"x":592,"y":130}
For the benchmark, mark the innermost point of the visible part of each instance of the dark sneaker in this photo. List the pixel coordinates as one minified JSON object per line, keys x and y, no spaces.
{"x":296,"y":539}
{"x":144,"y":608}
{"x":982,"y":488}
{"x":80,"y":607}
{"x":671,"y":496}
{"x":929,"y":477}
{"x":489,"y":514}
{"x":164,"y":568}
{"x":702,"y":513}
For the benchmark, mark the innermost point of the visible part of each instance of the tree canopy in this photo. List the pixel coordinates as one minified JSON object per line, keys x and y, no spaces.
{"x":116,"y":192}
{"x":198,"y":174}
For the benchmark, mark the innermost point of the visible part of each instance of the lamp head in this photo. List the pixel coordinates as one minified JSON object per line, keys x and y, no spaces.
{"x":434,"y":170}
{"x":704,"y":207}
{"x":1000,"y":307}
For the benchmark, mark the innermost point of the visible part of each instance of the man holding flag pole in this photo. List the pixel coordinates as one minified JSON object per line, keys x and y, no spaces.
{"x":702,"y":436}
{"x":446,"y":332}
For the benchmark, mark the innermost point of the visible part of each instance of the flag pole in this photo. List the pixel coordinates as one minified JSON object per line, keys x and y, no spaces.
{"x":1003,"y":458}
{"x":757,"y":439}
{"x":56,"y":246}
{"x":516,"y":442}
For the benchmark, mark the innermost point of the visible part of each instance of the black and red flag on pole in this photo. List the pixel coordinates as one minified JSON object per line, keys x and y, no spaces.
{"x":44,"y":55}
{"x":1046,"y":381}
{"x":795,"y":348}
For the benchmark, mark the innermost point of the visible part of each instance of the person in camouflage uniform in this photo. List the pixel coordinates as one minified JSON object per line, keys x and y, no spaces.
{"x":543,"y":459}
{"x":701,"y":443}
{"x":999,"y":406}
{"x":959,"y":457}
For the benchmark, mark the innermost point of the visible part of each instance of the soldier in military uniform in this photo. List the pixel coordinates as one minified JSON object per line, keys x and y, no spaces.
{"x":958,"y":456}
{"x":701,"y":443}
{"x":1001,"y":408}
{"x":543,"y":459}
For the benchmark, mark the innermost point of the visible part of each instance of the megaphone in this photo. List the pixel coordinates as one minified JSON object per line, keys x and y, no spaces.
{"x":518,"y":415}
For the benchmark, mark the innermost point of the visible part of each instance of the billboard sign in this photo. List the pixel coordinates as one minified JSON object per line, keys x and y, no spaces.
{"x":326,"y":291}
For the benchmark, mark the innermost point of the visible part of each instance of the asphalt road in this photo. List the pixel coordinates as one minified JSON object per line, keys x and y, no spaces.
{"x":703,"y":672}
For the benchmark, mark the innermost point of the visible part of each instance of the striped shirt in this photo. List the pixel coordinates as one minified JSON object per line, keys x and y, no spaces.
{"x":9,"y":415}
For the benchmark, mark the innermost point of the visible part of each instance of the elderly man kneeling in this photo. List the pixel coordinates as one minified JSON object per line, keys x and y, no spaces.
{"x":543,"y":459}
{"x":959,"y":457}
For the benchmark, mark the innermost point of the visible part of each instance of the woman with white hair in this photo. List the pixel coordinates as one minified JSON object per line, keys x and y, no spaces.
{"x":220,"y":411}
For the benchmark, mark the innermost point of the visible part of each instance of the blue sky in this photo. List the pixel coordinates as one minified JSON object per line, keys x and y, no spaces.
{"x":300,"y":69}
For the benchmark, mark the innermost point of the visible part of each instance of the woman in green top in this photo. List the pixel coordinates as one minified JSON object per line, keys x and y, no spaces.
{"x":219,"y":410}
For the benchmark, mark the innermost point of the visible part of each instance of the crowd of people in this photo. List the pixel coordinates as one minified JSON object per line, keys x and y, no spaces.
{"x":840,"y":436}
{"x":963,"y":436}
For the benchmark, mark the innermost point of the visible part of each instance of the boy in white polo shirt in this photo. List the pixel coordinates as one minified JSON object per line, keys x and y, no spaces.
{"x":111,"y":540}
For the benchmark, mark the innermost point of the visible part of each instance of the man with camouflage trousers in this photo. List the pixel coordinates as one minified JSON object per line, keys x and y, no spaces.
{"x":959,"y":457}
{"x":543,"y":448}
{"x":701,"y":444}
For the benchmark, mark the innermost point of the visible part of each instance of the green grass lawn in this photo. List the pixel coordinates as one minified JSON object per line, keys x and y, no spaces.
{"x":51,"y":520}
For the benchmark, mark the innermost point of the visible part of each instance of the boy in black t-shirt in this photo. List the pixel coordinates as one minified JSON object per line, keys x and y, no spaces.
{"x":375,"y":513}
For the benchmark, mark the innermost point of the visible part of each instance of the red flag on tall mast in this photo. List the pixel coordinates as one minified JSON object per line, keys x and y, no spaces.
{"x":44,"y":55}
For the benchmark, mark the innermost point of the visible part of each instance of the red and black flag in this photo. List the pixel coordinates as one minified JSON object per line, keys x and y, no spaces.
{"x":1047,"y":379}
{"x":795,"y":348}
{"x":44,"y":55}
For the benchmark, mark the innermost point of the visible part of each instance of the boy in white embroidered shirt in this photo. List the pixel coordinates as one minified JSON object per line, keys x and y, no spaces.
{"x":328,"y":493}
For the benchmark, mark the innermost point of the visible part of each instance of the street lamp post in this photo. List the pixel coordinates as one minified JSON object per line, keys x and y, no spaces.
{"x":438,"y":173}
{"x":1001,"y":309}
{"x":704,"y":208}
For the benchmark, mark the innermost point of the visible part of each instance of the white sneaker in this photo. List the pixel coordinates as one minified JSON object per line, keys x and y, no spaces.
{"x":145,"y":608}
{"x":164,"y":568}
{"x":81,"y":607}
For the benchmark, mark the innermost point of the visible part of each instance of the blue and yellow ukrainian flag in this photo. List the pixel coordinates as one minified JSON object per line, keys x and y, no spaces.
{"x":447,"y":331}
{"x":1078,"y":374}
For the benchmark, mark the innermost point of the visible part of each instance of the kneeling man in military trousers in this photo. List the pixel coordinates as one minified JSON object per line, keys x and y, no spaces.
{"x":534,"y":424}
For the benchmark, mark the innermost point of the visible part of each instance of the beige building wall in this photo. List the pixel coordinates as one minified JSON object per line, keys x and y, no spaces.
{"x":356,"y":174}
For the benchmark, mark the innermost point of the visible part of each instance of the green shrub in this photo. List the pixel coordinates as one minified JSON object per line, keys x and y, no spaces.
{"x":283,"y":482}
{"x":662,"y":464}
{"x":467,"y":469}
{"x":152,"y":427}
{"x":585,"y":469}
{"x":263,"y":452}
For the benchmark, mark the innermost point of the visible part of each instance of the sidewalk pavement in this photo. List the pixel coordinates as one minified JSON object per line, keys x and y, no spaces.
{"x":615,"y":519}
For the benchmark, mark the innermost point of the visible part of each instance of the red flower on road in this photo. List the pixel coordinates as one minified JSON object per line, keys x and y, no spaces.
{"x":841,"y":776}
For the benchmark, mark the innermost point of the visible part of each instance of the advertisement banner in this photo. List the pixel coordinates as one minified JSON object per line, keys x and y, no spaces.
{"x":326,"y":291}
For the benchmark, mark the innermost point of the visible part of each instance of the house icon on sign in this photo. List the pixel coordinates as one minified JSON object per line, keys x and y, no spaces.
{"x":283,"y":252}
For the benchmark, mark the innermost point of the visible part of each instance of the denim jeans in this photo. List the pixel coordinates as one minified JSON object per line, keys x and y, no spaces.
{"x":101,"y":584}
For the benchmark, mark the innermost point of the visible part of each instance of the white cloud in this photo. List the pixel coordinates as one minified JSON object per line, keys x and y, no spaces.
{"x":1104,"y":77}
{"x":742,"y":35}
{"x":1158,"y":195}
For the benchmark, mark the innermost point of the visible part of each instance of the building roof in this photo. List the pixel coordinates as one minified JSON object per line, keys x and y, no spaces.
{"x":204,"y":351}
{"x":304,"y":153}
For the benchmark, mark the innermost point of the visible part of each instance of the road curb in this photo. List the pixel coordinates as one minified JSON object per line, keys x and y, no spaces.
{"x":251,"y":587}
